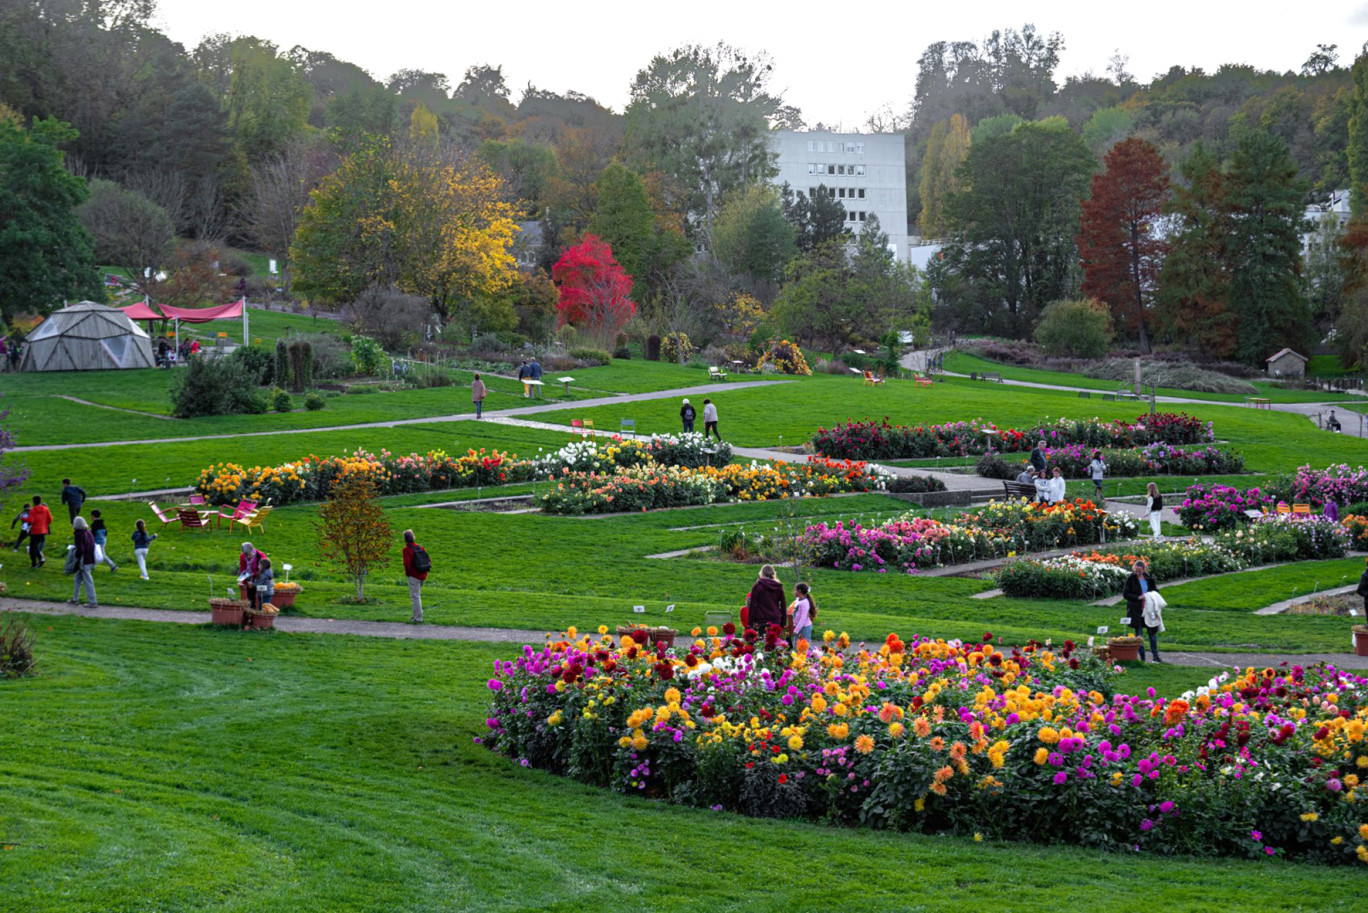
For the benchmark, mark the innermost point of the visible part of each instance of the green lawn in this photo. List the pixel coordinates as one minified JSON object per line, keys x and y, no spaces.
{"x":166,"y":768}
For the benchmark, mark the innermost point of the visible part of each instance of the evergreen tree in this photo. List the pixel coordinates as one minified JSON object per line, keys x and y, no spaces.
{"x":1194,"y":284}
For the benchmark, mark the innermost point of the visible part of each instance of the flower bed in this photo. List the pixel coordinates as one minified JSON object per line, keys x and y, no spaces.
{"x":1343,"y":484}
{"x":1357,"y":528}
{"x":651,"y":486}
{"x":870,"y":440}
{"x":1208,"y":508}
{"x":998,"y":530}
{"x":944,"y":737}
{"x":1150,"y":460}
{"x":311,"y":478}
{"x":1103,"y":573}
{"x":1286,"y":537}
{"x":691,"y":451}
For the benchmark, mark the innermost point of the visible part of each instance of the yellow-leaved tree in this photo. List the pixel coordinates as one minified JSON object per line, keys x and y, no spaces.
{"x":417,"y":217}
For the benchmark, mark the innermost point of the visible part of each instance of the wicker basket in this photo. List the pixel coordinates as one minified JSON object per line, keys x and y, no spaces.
{"x":227,"y":612}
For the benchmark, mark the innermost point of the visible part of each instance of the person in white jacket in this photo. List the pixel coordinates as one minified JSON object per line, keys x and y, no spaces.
{"x":710,"y":420}
{"x":1154,"y":505}
{"x":1054,"y":489}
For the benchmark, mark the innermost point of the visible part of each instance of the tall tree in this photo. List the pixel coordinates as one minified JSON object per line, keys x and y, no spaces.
{"x":1358,"y":139}
{"x":1264,"y":197}
{"x":751,"y":235}
{"x":703,"y":115}
{"x":595,"y":292}
{"x":817,"y":219}
{"x":1118,"y":239}
{"x":279,"y":194}
{"x":945,"y":150}
{"x":45,"y":254}
{"x":130,"y":231}
{"x":1015,"y":218}
{"x":645,"y":244}
{"x":1194,"y":283}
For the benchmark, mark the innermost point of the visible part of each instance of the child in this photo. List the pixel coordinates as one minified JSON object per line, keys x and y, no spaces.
{"x":1097,"y":469}
{"x":101,"y":534}
{"x":265,"y":584}
{"x":141,"y":541}
{"x":23,"y":521}
{"x":802,"y":613}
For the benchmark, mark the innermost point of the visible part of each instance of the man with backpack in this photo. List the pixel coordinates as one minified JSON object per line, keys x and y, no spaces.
{"x":416,"y":567}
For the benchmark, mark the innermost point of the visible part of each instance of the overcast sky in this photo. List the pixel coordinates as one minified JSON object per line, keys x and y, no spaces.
{"x":836,"y":61}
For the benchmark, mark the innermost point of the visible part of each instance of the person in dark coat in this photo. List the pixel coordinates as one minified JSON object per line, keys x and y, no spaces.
{"x":73,"y":496}
{"x":1038,"y":458}
{"x":766,"y":602}
{"x":1137,"y":585}
{"x":687,"y":414}
{"x":1362,"y":590}
{"x":84,"y":577}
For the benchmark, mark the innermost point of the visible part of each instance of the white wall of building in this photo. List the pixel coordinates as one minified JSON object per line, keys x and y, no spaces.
{"x":866,"y":171}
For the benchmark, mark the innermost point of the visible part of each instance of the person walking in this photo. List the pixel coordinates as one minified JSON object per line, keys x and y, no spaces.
{"x":101,"y":534}
{"x":141,"y":542}
{"x":1097,"y":470}
{"x":1038,"y":457}
{"x":765,"y":602}
{"x":73,"y":496}
{"x":802,"y":614}
{"x":1154,"y":504}
{"x":710,"y":420}
{"x":22,"y":521}
{"x":84,"y":577}
{"x":1139,"y":585}
{"x":523,"y":375}
{"x":687,"y":415}
{"x":478,"y":394}
{"x":40,"y":523}
{"x":534,"y":372}
{"x":417,"y":564}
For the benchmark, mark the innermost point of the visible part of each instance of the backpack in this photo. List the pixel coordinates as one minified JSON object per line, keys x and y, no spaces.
{"x":421,"y":562}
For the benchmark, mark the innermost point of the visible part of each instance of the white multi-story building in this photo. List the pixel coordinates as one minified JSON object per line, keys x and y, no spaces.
{"x":865,"y":172}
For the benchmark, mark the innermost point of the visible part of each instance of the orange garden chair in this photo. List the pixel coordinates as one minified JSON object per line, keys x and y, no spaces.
{"x":1283,"y":508}
{"x":256,"y":519}
{"x":1301,"y":510}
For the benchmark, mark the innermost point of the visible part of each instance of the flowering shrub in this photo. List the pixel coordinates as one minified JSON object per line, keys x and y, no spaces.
{"x":1342,"y":484}
{"x":676,"y":347}
{"x":1035,"y":527}
{"x":786,"y":358}
{"x":1150,"y":460}
{"x":1207,"y":508}
{"x":870,"y":440}
{"x":945,"y":737}
{"x":1357,"y":528}
{"x":1286,"y":537}
{"x":311,"y":478}
{"x":1098,"y":574}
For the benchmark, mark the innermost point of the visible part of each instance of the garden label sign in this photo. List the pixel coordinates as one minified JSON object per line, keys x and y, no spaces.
{"x":639,"y":609}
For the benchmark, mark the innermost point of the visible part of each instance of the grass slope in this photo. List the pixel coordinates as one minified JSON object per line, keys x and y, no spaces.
{"x":183,"y":769}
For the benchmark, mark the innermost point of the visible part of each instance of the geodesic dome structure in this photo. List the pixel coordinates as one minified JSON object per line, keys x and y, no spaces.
{"x":87,"y":337}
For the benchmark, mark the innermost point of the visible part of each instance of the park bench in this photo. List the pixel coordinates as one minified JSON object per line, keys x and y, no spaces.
{"x":716,"y":373}
{"x":993,"y":376}
{"x":1084,"y":394}
{"x":1019,"y":490}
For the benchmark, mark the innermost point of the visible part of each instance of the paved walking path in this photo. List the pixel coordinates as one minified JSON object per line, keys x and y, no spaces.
{"x":86,"y":402}
{"x":399,"y":631}
{"x":536,"y":408}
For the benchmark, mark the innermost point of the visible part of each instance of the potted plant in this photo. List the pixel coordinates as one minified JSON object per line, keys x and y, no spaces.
{"x":285,"y":594}
{"x":662,"y":635}
{"x":263,"y":617}
{"x":638,"y":633}
{"x":1124,"y":649}
{"x":227,"y":612}
{"x":1361,"y":640}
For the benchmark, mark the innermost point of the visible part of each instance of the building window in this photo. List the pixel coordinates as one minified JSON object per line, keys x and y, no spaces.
{"x":840,"y":192}
{"x":862,"y":215}
{"x":859,"y":169}
{"x":862,"y":190}
{"x":859,"y":147}
{"x":821,"y":147}
{"x":812,"y":192}
{"x":812,"y":147}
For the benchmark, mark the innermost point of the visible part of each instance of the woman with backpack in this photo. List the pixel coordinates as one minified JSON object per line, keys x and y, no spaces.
{"x":416,"y":567}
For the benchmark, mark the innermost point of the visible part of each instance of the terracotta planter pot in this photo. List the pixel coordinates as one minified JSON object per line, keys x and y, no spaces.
{"x":227,"y":612}
{"x":260,"y":621}
{"x":283,"y":600}
{"x":245,"y":592}
{"x":1122,"y":653}
{"x":663,"y":638}
{"x":1360,"y":644}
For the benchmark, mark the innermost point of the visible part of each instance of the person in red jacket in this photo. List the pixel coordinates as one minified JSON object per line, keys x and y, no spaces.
{"x":416,"y":567}
{"x":40,"y":522}
{"x":766,"y":602}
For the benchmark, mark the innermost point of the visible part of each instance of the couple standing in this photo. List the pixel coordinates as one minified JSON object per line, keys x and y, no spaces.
{"x":687,"y":414}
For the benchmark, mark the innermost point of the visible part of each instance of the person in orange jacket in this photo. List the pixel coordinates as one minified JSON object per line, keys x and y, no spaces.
{"x":40,"y":522}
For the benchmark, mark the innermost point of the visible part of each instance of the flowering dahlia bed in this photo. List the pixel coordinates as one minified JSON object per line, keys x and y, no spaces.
{"x":1269,"y":540}
{"x":650,"y":486}
{"x":946,"y":737}
{"x":998,"y":529}
{"x":867,"y":439}
{"x":1150,"y":460}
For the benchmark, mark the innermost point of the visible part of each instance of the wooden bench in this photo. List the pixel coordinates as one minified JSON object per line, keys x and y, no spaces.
{"x":1019,"y":490}
{"x":1084,"y":394}
{"x":993,"y":376}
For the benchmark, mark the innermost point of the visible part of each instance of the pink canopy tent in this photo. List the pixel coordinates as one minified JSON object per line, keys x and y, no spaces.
{"x":204,"y":315}
{"x":141,"y":311}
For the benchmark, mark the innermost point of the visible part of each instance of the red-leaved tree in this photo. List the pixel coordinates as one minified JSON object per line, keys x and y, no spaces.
{"x":1117,"y":241}
{"x":595,"y":292}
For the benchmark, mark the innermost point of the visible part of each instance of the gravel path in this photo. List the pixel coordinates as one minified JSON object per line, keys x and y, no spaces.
{"x":400,"y":631}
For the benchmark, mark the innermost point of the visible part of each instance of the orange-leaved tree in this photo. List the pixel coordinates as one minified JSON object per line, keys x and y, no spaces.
{"x":1117,"y":238}
{"x":352,"y":529}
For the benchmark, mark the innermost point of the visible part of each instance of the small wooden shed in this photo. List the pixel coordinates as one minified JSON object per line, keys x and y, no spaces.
{"x":1286,"y":363}
{"x":87,"y":337}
